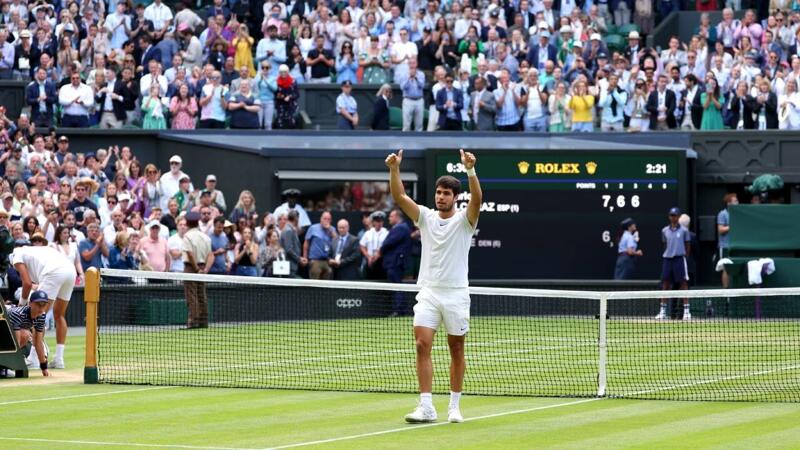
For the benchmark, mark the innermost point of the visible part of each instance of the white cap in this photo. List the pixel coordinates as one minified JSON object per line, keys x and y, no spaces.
{"x":123,"y":196}
{"x":577,"y":44}
{"x":154,"y":223}
{"x":595,"y":37}
{"x":211,"y":177}
{"x":543,"y":24}
{"x":176,"y":158}
{"x":565,"y":29}
{"x":633,"y":35}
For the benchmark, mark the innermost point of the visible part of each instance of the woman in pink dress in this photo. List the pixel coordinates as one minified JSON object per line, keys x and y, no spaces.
{"x":184,"y":109}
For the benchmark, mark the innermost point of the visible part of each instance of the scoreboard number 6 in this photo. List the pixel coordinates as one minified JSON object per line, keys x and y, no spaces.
{"x":619,"y":201}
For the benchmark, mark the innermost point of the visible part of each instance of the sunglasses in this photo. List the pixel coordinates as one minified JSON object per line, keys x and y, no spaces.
{"x":265,"y":67}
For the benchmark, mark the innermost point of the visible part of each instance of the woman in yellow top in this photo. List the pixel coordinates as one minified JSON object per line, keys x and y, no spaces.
{"x":244,"y":50}
{"x":581,"y":105}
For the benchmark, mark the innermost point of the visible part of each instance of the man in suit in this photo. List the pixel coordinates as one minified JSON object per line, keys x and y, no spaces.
{"x":218,"y":8}
{"x":380,"y":111}
{"x":41,"y":96}
{"x":395,"y":251}
{"x":542,"y":52}
{"x":661,"y":105}
{"x":483,"y":72}
{"x":345,"y":254}
{"x":484,"y":107}
{"x":449,"y":103}
{"x":291,"y":243}
{"x":148,"y":50}
{"x":690,"y":103}
{"x":109,"y":100}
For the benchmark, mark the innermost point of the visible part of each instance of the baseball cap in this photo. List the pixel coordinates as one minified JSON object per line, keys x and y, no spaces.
{"x":176,"y":159}
{"x":578,"y":44}
{"x":91,"y":155}
{"x":154,"y":224}
{"x":603,"y":55}
{"x":378,"y":215}
{"x":124,"y":196}
{"x":633,"y":35}
{"x":211,"y":177}
{"x":183,"y":27}
{"x":674,"y":211}
{"x":25,"y":34}
{"x":595,"y":37}
{"x":495,"y":13}
{"x":291,"y":192}
{"x":63,"y":139}
{"x":6,"y":195}
{"x":565,"y":29}
{"x":627,"y":222}
{"x":347,"y":83}
{"x":545,"y":34}
{"x":184,"y":177}
{"x":193,"y":216}
{"x":38,"y":296}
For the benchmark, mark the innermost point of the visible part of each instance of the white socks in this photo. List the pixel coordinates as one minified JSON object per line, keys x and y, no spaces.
{"x":426,"y":399}
{"x":59,"y":352}
{"x":455,"y":399}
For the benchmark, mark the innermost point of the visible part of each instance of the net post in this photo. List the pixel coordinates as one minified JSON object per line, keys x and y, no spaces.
{"x":91,"y":297}
{"x":601,"y":347}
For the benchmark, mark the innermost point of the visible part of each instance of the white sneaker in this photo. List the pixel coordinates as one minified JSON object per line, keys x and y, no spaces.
{"x":423,"y":414}
{"x":662,"y":316}
{"x":56,"y":364}
{"x":687,"y":315}
{"x":454,"y":416}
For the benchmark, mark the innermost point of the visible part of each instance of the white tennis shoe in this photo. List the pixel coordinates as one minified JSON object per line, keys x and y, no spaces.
{"x":454,"y":416}
{"x":687,"y":316}
{"x":661,"y":316}
{"x":57,"y":364}
{"x":423,"y":414}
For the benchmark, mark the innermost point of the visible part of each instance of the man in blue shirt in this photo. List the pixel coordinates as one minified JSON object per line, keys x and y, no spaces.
{"x":219,"y":247}
{"x":674,"y":271}
{"x":317,"y":247}
{"x":723,"y":228}
{"x":93,"y":248}
{"x":413,"y":104}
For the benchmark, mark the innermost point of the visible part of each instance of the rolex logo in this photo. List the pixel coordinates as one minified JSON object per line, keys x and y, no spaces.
{"x":591,"y":167}
{"x":523,"y":167}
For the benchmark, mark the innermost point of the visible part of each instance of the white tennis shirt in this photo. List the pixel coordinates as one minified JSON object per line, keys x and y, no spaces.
{"x":445,"y":249}
{"x":41,"y":261}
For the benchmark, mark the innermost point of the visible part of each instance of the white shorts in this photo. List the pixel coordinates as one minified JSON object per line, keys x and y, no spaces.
{"x":435,"y":305}
{"x":58,"y":284}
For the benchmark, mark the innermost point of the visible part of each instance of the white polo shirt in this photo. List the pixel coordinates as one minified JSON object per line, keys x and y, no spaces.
{"x":445,"y":249}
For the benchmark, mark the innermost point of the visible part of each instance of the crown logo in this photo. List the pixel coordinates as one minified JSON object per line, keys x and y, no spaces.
{"x":591,"y":167}
{"x":523,"y":167}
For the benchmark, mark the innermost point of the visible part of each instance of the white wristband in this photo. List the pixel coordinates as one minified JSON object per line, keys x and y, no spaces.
{"x":471,"y":172}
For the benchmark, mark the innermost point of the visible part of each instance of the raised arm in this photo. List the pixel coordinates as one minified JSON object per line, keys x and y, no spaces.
{"x":476,"y":194}
{"x":409,"y":207}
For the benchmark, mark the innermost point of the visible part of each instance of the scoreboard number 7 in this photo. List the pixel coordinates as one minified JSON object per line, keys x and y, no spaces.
{"x":619,"y":202}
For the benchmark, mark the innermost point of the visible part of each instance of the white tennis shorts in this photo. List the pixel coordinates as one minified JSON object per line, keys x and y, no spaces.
{"x":58,"y":284}
{"x":435,"y":305}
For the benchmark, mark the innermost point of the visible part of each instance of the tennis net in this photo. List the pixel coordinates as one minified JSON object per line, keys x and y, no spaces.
{"x":328,"y":335}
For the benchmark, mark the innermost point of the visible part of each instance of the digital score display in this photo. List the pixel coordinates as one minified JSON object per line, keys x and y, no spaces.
{"x":556,"y":214}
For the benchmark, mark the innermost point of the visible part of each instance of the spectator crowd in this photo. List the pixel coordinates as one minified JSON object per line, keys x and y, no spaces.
{"x":537,"y":65}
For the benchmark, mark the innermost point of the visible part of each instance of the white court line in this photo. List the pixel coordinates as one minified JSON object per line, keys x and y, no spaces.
{"x":430,"y":425}
{"x":98,"y":394}
{"x":120,"y":444}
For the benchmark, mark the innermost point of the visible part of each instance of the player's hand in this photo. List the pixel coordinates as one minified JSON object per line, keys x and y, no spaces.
{"x":468,"y":159}
{"x":45,"y":373}
{"x":393,"y":161}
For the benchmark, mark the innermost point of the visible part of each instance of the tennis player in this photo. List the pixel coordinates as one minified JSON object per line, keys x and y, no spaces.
{"x":55,"y":275}
{"x":28,"y":324}
{"x":446,"y":236}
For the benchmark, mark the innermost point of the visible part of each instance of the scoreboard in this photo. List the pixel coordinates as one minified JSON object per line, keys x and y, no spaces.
{"x":555,"y":214}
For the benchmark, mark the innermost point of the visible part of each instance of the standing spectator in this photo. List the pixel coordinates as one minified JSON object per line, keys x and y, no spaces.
{"x":535,"y":101}
{"x":292,"y":195}
{"x":542,"y":52}
{"x":270,"y":49}
{"x":291,"y":243}
{"x":401,"y":54}
{"x":68,"y":248}
{"x":558,"y":106}
{"x":271,"y":252}
{"x":77,"y":100}
{"x":346,"y":64}
{"x":244,"y":108}
{"x":380,"y":111}
{"x":766,"y":106}
{"x":110,"y":101}
{"x":484,"y":106}
{"x":213,"y":103}
{"x":286,"y":99}
{"x":153,"y":109}
{"x":740,"y":108}
{"x":627,"y":251}
{"x":690,"y":104}
{"x":41,"y":96}
{"x":374,"y":62}
{"x":789,"y":107}
{"x":712,"y":106}
{"x":245,"y":206}
{"x":674,"y":272}
{"x":413,"y":103}
{"x":395,"y":251}
{"x":347,"y":108}
{"x":661,"y":105}
{"x":320,"y":60}
{"x":613,"y":100}
{"x":723,"y":228}
{"x":6,"y":56}
{"x":449,"y":103}
{"x":345,"y":257}
{"x":125,"y":253}
{"x":170,"y":181}
{"x":197,"y":259}
{"x":93,"y":248}
{"x":183,"y":108}
{"x":317,"y":247}
{"x":267,"y":86}
{"x":371,"y":243}
{"x":161,"y":17}
{"x":219,"y":247}
{"x":155,"y":248}
{"x":243,"y":43}
{"x":246,"y":254}
{"x":581,"y":104}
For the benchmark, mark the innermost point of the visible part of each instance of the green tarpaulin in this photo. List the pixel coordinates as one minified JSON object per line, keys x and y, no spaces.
{"x":764,"y":227}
